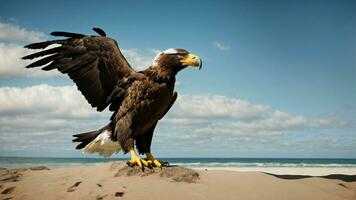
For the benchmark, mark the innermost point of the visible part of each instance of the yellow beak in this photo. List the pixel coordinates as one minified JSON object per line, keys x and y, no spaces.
{"x":192,"y":60}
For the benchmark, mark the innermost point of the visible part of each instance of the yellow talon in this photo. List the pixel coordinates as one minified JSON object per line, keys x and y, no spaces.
{"x":135,"y":160}
{"x":144,"y":162}
{"x":158,"y":164}
{"x":151,"y":159}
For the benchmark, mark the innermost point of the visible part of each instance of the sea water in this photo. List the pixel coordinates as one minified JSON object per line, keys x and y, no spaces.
{"x":19,"y":162}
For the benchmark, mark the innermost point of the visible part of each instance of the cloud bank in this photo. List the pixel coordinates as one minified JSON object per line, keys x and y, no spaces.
{"x":9,"y":32}
{"x":45,"y":110}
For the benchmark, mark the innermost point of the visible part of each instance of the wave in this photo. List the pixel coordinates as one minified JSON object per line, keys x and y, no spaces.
{"x":18,"y":162}
{"x":257,"y":164}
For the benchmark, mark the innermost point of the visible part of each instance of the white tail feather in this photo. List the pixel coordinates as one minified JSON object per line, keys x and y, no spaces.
{"x":103,"y":145}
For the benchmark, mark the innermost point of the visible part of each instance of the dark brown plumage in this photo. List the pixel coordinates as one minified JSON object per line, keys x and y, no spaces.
{"x":104,"y":77}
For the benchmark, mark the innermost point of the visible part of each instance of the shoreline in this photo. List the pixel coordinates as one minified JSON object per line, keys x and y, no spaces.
{"x":305,"y":171}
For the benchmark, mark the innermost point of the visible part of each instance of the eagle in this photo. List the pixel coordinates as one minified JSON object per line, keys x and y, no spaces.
{"x":138,"y":99}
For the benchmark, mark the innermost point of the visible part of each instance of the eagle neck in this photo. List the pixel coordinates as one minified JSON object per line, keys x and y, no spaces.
{"x":161,"y":74}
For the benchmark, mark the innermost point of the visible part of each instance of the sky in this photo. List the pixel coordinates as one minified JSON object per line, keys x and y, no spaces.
{"x":278,"y":79}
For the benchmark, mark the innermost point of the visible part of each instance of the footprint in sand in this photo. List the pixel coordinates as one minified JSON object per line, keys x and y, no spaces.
{"x":73,"y":187}
{"x":8,"y":190}
{"x":119,"y":194}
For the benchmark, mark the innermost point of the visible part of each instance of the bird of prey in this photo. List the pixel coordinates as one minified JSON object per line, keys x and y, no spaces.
{"x":138,"y":99}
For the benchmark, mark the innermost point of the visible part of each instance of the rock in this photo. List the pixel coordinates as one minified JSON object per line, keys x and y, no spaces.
{"x":180,"y":174}
{"x":39,"y":168}
{"x":175,"y":173}
{"x":134,"y":171}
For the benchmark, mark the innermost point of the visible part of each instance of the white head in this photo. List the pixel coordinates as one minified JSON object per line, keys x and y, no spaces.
{"x":167,"y":52}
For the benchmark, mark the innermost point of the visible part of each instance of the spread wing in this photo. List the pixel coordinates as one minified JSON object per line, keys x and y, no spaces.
{"x":94,"y":63}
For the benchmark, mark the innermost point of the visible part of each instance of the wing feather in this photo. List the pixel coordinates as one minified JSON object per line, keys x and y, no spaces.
{"x":94,"y":63}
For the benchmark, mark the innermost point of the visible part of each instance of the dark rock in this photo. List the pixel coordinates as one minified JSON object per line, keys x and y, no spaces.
{"x":133,"y":171}
{"x":99,"y":185}
{"x":175,"y":173}
{"x":180,"y":174}
{"x":39,"y":168}
{"x":8,"y":190}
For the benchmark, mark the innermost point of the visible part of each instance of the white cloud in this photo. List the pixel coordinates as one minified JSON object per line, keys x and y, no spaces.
{"x":217,"y":107}
{"x":12,"y":66}
{"x":155,"y":51}
{"x":11,"y":32}
{"x":220,"y":117}
{"x":50,"y":101}
{"x":137,"y":60}
{"x":221,"y":46}
{"x":44,"y":114}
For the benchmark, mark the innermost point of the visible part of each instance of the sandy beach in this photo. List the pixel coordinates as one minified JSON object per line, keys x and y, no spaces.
{"x":117,"y":181}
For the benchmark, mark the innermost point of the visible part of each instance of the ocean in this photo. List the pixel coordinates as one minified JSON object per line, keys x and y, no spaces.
{"x":19,"y":162}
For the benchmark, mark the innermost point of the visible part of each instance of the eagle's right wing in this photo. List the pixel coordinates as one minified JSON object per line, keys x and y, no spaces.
{"x":94,"y":63}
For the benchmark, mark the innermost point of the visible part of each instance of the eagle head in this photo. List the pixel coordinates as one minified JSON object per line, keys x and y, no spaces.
{"x":177,"y":59}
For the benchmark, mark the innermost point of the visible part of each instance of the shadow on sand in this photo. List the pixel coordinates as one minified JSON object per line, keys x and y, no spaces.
{"x":346,"y":178}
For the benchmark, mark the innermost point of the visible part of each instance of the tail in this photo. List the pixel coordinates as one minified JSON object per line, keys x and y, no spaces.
{"x":99,"y":141}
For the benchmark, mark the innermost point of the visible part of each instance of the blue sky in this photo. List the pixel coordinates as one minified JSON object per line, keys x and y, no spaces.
{"x":288,"y":66}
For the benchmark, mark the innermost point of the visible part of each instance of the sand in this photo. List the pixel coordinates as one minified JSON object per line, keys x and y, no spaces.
{"x":117,"y":181}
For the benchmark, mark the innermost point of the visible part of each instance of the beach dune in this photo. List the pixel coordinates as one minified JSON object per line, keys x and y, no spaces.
{"x":117,"y":181}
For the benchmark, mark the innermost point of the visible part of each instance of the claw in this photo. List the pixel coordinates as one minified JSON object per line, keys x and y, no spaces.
{"x":144,"y":162}
{"x":150,"y":159}
{"x":135,"y":160}
{"x":158,"y":164}
{"x":164,"y":163}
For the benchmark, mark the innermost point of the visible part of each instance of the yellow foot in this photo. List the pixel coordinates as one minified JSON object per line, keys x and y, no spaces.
{"x":152,"y":161}
{"x":135,"y":160}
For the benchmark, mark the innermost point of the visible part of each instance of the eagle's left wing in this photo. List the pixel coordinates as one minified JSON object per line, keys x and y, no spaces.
{"x":94,"y":63}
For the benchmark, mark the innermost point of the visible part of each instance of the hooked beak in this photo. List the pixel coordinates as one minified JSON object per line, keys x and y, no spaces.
{"x":192,"y":60}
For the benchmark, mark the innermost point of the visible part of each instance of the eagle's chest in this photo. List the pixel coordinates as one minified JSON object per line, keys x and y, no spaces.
{"x":151,"y":103}
{"x":158,"y":98}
